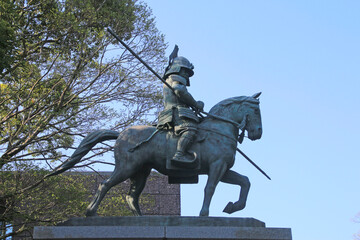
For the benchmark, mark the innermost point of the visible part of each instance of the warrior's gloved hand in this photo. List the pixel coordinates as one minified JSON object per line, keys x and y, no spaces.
{"x":200,"y":106}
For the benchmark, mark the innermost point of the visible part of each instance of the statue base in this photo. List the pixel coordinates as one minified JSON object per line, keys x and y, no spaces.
{"x":162,"y":227}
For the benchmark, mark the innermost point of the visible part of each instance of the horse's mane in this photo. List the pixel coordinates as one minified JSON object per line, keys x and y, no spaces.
{"x":223,"y":106}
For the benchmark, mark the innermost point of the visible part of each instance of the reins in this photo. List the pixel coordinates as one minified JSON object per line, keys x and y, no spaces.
{"x":219,"y":133}
{"x":242,"y":126}
{"x":237,"y":125}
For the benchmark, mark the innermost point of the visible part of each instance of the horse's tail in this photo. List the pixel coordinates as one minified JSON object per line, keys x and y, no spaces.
{"x":85,"y":146}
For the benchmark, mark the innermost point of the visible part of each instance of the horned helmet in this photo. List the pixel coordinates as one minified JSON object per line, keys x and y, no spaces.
{"x":177,"y":63}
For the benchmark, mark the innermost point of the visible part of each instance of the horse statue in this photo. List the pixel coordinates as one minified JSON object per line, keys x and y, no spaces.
{"x":216,"y":148}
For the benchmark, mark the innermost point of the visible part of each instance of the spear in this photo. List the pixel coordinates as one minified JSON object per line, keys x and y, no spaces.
{"x":254,"y":164}
{"x":161,"y":79}
{"x":138,"y":58}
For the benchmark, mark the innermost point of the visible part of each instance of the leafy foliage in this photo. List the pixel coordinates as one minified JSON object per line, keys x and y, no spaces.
{"x":57,"y":199}
{"x":61,"y":77}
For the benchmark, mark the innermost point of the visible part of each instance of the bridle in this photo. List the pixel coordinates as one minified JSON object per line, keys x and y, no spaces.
{"x":241,"y":126}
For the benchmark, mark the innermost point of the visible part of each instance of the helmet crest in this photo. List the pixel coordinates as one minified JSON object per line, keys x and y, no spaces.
{"x":176,"y":63}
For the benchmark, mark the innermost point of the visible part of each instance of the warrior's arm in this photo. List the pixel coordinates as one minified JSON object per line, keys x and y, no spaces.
{"x":185,"y":96}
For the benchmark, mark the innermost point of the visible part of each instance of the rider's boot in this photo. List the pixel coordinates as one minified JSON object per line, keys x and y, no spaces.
{"x":182,"y":158}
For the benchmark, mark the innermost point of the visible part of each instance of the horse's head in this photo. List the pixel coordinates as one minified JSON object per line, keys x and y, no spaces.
{"x":245,"y":110}
{"x":251,"y":110}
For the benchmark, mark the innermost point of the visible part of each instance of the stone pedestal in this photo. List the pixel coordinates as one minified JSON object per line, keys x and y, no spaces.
{"x":162,"y":227}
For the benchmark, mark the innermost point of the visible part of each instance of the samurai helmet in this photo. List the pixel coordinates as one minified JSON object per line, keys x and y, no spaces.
{"x":176,"y":63}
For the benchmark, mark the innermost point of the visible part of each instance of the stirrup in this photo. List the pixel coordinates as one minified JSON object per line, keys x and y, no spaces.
{"x":181,"y":160}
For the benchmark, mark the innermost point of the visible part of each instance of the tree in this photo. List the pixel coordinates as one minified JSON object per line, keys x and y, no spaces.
{"x":62,"y":76}
{"x":57,"y":199}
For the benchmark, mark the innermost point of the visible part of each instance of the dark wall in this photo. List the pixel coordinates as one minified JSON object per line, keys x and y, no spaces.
{"x":166,"y":197}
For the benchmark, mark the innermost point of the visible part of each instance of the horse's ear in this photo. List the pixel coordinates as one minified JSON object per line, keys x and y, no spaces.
{"x":256,"y":95}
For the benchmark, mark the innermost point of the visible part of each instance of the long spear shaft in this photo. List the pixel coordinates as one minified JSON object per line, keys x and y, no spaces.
{"x":158,"y":76}
{"x":161,"y":79}
{"x":142,"y":61}
{"x":254,"y":164}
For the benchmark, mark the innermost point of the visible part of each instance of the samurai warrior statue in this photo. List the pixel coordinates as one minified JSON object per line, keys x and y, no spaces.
{"x":179,"y":112}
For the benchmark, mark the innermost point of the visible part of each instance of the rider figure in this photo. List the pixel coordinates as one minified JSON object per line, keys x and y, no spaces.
{"x":177,"y":114}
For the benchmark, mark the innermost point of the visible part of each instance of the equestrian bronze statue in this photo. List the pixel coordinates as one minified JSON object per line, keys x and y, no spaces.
{"x":215,"y":146}
{"x":182,"y":146}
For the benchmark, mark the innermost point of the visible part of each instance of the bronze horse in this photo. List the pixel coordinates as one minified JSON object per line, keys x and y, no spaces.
{"x":218,"y":149}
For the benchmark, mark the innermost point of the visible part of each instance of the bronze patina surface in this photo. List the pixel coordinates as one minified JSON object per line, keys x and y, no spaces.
{"x":196,"y":144}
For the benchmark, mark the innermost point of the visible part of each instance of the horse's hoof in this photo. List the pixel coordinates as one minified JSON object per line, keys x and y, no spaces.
{"x":90,"y":213}
{"x":204,"y":213}
{"x":233,"y":207}
{"x":229,"y":208}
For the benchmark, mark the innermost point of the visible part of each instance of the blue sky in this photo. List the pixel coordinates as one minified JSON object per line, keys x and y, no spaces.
{"x":304,"y":56}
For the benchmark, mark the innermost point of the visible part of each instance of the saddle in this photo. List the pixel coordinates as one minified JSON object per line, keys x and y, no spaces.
{"x":191,"y":174}
{"x":187,"y":175}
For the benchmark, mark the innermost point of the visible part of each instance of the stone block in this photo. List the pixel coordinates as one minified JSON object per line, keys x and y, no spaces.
{"x":241,"y":233}
{"x":98,"y":232}
{"x":164,"y":221}
{"x":162,"y":227}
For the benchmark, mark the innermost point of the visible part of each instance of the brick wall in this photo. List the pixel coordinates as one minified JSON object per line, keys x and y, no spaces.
{"x":166,"y":197}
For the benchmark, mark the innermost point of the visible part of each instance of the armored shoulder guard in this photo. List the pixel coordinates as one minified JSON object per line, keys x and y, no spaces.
{"x":178,"y":78}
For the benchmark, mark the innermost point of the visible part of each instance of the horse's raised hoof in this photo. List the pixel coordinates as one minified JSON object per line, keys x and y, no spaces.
{"x":229,"y":208}
{"x":233,"y":207}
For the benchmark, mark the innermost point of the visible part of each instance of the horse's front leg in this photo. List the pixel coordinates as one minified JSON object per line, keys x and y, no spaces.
{"x":216,"y":172}
{"x":243,"y":181}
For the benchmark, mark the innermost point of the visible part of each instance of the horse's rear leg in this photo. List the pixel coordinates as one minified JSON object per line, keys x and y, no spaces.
{"x":138,"y":182}
{"x":116,"y":177}
{"x":243,"y":181}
